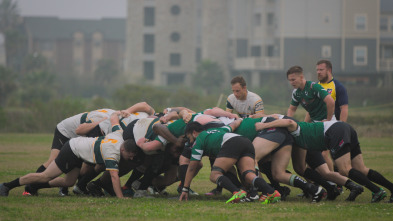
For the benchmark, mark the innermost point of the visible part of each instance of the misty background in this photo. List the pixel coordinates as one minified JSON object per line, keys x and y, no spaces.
{"x":59,"y":58}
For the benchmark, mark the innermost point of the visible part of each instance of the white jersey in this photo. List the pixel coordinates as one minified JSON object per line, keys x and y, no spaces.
{"x":68,"y":126}
{"x":252,"y":105}
{"x":142,"y":128}
{"x":106,"y":124}
{"x":99,"y":150}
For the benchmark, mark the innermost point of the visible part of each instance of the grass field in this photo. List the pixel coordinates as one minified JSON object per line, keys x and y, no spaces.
{"x":23,"y":153}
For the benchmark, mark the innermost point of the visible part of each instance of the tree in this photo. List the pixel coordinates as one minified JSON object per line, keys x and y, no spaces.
{"x":13,"y":31}
{"x":209,"y":76}
{"x":7,"y":84}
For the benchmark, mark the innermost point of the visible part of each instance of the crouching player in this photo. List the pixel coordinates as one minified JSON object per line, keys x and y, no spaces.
{"x":107,"y":150}
{"x":342,"y":141}
{"x":229,"y":149}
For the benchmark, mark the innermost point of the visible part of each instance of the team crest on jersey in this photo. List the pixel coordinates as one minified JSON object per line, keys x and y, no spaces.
{"x":329,"y":90}
{"x":271,"y":129}
{"x":341,"y":143}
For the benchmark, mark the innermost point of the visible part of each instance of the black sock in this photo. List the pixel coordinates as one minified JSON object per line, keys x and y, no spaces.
{"x":85,"y":179}
{"x":12,"y":184}
{"x":298,"y":182}
{"x":40,"y":185}
{"x":233,"y":179}
{"x":266,"y":168}
{"x":317,"y":178}
{"x":41,"y":169}
{"x":226,"y":183}
{"x":262,"y":186}
{"x":362,"y":179}
{"x":136,"y":174}
{"x":376,"y":177}
{"x":182,"y":173}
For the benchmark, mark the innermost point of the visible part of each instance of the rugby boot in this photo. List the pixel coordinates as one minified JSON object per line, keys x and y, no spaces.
{"x":356,"y":190}
{"x":378,"y":196}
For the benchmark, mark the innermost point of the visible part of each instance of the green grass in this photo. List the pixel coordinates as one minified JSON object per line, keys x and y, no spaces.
{"x":23,"y":153}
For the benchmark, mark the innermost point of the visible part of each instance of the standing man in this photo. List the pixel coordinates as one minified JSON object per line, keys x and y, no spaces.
{"x":338,"y":93}
{"x":244,"y":102}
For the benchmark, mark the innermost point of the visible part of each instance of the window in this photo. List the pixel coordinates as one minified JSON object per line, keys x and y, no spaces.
{"x":148,"y":70}
{"x":175,"y":10}
{"x":391,"y":24}
{"x":175,"y":59}
{"x":175,"y":37}
{"x":388,"y":52}
{"x":257,"y":19}
{"x":175,"y":78}
{"x":326,"y":19}
{"x":360,"y":55}
{"x":326,"y":51}
{"x":241,"y":48}
{"x":149,"y":16}
{"x":148,"y":43}
{"x":270,"y":51}
{"x":256,"y":51}
{"x":383,"y":24}
{"x":270,"y":19}
{"x":360,"y":22}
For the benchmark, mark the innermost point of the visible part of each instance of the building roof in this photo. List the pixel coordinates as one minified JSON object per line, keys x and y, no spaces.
{"x":47,"y":28}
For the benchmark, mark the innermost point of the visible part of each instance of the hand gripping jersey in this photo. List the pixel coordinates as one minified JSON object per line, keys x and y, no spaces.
{"x":144,"y":128}
{"x":100,"y":150}
{"x":311,"y":98}
{"x":68,"y":126}
{"x":338,"y":93}
{"x":209,"y":142}
{"x":252,"y":105}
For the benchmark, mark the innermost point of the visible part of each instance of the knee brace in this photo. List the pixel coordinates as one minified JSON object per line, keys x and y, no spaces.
{"x":214,"y":168}
{"x":246,"y":172}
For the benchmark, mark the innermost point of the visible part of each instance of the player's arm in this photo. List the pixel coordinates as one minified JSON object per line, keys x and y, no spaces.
{"x":344,"y":112}
{"x":149,"y":146}
{"x":116,"y":183}
{"x":235,"y":124}
{"x":169,"y":116}
{"x":177,"y":110}
{"x":115,"y":118}
{"x":191,"y":173}
{"x":329,"y":106}
{"x":288,"y":123}
{"x":140,"y":107}
{"x":218,"y":112}
{"x":291,"y":110}
{"x":85,"y":128}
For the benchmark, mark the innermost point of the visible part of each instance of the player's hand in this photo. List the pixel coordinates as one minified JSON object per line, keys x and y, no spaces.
{"x":187,"y":117}
{"x":163,"y":119}
{"x":124,"y":113}
{"x":259,"y":126}
{"x":184,"y":195}
{"x":234,"y":116}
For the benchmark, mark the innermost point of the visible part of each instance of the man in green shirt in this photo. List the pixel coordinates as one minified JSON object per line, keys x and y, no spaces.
{"x":342,"y":141}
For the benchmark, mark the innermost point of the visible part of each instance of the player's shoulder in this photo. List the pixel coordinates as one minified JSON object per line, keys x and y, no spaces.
{"x":254,"y":96}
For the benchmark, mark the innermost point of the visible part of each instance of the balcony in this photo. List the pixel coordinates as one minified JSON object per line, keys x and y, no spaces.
{"x":257,"y":63}
{"x":386,"y":64}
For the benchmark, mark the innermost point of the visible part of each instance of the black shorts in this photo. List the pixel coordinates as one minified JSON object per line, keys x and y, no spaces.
{"x":237,"y":147}
{"x":314,"y":159}
{"x":59,"y":140}
{"x":276,"y":135}
{"x":67,"y":160}
{"x":95,"y":132}
{"x":187,"y":151}
{"x":340,"y":139}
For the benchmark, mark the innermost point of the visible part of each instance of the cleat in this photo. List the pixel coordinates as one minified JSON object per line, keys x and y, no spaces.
{"x":214,"y":192}
{"x":340,"y":188}
{"x":332,"y":195}
{"x":26,"y":194}
{"x":318,"y":195}
{"x":251,"y":197}
{"x":378,"y":196}
{"x":77,"y":190}
{"x":356,"y":190}
{"x":96,"y":191}
{"x":63,"y":191}
{"x":304,"y":195}
{"x":127,"y":192}
{"x":238,"y":197}
{"x":142,"y":194}
{"x":4,"y":191}
{"x":270,"y":198}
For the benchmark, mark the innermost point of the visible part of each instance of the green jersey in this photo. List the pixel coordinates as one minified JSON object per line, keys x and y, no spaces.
{"x":311,"y":98}
{"x":247,"y":128}
{"x":310,"y":136}
{"x":209,"y":142}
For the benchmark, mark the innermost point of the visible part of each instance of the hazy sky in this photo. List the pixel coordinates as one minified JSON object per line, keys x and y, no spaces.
{"x":81,"y":9}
